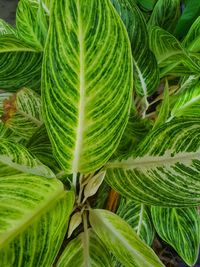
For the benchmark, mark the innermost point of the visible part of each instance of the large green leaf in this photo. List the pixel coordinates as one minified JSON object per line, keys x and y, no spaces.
{"x":22,"y":112}
{"x":85,"y":250}
{"x":18,"y":157}
{"x":166,"y":171}
{"x":190,"y":13}
{"x":137,"y":215}
{"x":121,"y":240}
{"x":146,"y":75}
{"x":192,"y":39}
{"x":165,"y":14}
{"x":87,"y":83}
{"x":171,"y":56}
{"x":147,"y":5}
{"x":20,"y":65}
{"x":34,"y":213}
{"x":32,"y":22}
{"x":181,"y":229}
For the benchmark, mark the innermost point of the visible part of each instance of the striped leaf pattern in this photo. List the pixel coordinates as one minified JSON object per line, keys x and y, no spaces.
{"x":34,"y":214}
{"x":121,"y":240}
{"x":187,"y":103}
{"x":85,"y":251}
{"x":32,"y":21}
{"x":5,"y":28}
{"x":192,"y":39}
{"x":171,"y":56}
{"x":18,"y":157}
{"x":86,"y":103}
{"x":165,"y":14}
{"x":22,"y":112}
{"x":181,"y":229}
{"x":146,"y":74}
{"x":166,"y":169}
{"x":138,"y":217}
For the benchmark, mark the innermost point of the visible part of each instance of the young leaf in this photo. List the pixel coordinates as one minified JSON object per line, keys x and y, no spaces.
{"x":165,"y":14}
{"x":22,"y":113}
{"x":17,"y":157}
{"x":146,"y":75}
{"x":192,"y":39}
{"x":34,"y":213}
{"x":138,"y":217}
{"x":85,"y":251}
{"x":170,"y":53}
{"x":87,"y":80}
{"x":166,"y":169}
{"x":32,"y":22}
{"x":121,"y":240}
{"x":187,"y":102}
{"x":181,"y":229}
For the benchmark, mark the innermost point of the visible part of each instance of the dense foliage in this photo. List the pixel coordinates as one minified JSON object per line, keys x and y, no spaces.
{"x":99,"y":132}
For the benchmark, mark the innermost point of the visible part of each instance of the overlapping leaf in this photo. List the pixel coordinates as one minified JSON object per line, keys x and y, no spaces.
{"x":34,"y":213}
{"x":171,"y":56}
{"x":181,"y":229}
{"x":145,"y":66}
{"x":20,"y":64}
{"x":32,"y":21}
{"x":85,"y":251}
{"x":192,"y":39}
{"x":165,"y":14}
{"x":138,"y":217}
{"x":121,"y":240}
{"x":17,"y":157}
{"x":87,"y":83}
{"x":22,"y":112}
{"x":166,"y":170}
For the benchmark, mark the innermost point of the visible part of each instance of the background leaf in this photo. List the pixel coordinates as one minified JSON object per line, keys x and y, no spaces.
{"x":93,"y":84}
{"x":121,"y":240}
{"x":181,"y":229}
{"x":34,"y":214}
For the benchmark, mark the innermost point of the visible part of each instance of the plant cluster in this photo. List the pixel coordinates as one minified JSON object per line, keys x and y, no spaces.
{"x":99,"y":132}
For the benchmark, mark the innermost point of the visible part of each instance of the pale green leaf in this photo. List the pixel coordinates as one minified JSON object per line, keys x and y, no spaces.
{"x":85,"y":251}
{"x":121,"y":240}
{"x":146,"y":74}
{"x":5,"y":28}
{"x":87,"y":83}
{"x":138,"y":217}
{"x":181,"y":229}
{"x":18,"y":157}
{"x":32,"y":21}
{"x":192,"y":39}
{"x":166,"y":171}
{"x":22,"y":112}
{"x":34,"y":213}
{"x":165,"y":14}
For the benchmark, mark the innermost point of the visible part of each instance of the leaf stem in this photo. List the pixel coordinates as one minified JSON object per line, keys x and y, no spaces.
{"x":74,"y":180}
{"x":86,"y":240}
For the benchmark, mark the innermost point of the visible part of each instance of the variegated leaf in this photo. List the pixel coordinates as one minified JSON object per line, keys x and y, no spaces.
{"x":138,"y":217}
{"x":32,"y":21}
{"x":18,"y":157}
{"x":85,"y":250}
{"x":192,"y":39}
{"x":146,"y":74}
{"x":121,"y":240}
{"x":165,"y":14}
{"x":22,"y":112}
{"x":171,"y":56}
{"x":34,"y":214}
{"x":181,"y":229}
{"x":87,"y":83}
{"x":166,"y":171}
{"x":6,"y":28}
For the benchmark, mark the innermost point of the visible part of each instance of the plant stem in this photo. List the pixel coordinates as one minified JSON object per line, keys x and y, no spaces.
{"x":74,"y":181}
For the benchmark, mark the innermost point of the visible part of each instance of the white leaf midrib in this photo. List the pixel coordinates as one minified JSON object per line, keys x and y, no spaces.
{"x":79,"y":132}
